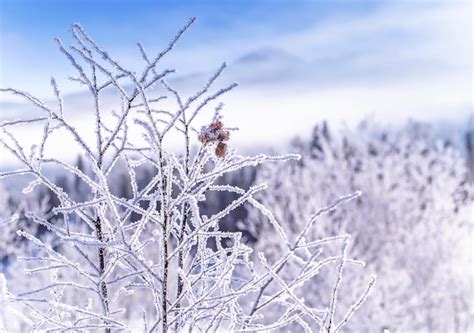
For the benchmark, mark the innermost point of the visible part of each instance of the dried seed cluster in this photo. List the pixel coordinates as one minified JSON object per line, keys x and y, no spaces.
{"x":215,"y":133}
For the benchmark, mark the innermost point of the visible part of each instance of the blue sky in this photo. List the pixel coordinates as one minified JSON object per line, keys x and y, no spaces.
{"x":297,"y":62}
{"x":28,"y":27}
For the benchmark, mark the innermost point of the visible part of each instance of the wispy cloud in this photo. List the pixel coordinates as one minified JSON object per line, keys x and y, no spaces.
{"x":394,"y":60}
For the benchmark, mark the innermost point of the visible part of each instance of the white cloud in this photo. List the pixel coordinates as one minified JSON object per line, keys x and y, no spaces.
{"x":405,"y":60}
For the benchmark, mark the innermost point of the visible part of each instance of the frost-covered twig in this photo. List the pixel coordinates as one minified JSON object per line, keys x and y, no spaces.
{"x":148,"y":253}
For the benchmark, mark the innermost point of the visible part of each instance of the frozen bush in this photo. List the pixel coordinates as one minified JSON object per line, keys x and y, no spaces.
{"x":412,"y":225}
{"x":147,"y":258}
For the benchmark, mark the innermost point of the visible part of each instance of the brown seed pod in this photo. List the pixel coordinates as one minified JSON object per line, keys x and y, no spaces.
{"x":223,"y":135}
{"x":203,"y":137}
{"x":221,"y":149}
{"x":217,"y":125}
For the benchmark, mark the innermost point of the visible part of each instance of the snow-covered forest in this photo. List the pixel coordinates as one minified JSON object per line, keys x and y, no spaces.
{"x":161,"y":224}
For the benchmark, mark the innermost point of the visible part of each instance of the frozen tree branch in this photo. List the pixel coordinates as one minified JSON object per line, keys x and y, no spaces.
{"x":148,"y":254}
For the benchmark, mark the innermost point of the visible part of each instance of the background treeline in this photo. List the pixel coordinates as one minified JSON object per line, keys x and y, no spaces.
{"x":412,"y":225}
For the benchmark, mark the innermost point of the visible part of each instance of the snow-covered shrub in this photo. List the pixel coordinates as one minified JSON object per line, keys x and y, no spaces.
{"x":146,"y":258}
{"x":412,"y":225}
{"x":8,"y":221}
{"x":12,"y":217}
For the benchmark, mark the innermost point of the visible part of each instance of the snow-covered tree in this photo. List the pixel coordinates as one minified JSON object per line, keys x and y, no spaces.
{"x":147,"y":258}
{"x":412,"y":225}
